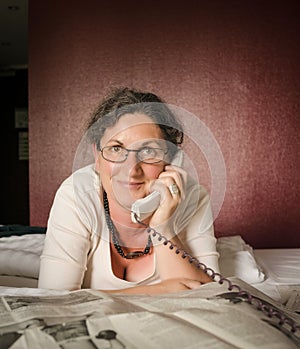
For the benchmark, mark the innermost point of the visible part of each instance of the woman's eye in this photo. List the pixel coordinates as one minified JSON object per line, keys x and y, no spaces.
{"x":115,"y":149}
{"x":148,"y":151}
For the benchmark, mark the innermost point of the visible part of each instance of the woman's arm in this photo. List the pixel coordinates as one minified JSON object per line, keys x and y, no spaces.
{"x":64,"y":258}
{"x":186,"y":221}
{"x":171,"y":265}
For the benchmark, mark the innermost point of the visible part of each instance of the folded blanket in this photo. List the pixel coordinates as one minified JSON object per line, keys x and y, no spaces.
{"x":20,"y":255}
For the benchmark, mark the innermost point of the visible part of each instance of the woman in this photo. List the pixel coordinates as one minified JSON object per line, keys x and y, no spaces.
{"x":93,"y":240}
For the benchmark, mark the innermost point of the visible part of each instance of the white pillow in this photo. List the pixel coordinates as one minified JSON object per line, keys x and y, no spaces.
{"x":237,"y":259}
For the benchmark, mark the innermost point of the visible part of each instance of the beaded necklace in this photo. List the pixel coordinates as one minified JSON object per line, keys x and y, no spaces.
{"x":112,"y":229}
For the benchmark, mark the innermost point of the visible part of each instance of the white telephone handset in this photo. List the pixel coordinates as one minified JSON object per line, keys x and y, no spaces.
{"x":143,"y":208}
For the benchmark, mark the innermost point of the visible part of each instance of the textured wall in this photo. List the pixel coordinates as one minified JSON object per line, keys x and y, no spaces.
{"x":234,"y":64}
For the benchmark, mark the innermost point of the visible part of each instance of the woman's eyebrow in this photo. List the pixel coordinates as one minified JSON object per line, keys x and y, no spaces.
{"x":145,"y":143}
{"x":153,"y":141}
{"x":114,"y":141}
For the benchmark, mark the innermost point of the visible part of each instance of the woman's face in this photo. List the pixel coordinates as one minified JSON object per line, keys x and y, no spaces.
{"x":130,"y":180}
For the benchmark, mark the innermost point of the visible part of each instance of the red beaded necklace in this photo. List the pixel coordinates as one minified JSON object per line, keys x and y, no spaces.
{"x":112,"y":229}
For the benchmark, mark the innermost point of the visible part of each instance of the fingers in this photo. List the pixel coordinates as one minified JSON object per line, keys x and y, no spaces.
{"x":174,"y":177}
{"x":178,"y":284}
{"x":171,"y":185}
{"x":191,"y":284}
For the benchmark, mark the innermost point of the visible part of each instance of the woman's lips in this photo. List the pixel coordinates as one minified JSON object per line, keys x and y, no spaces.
{"x":131,"y":185}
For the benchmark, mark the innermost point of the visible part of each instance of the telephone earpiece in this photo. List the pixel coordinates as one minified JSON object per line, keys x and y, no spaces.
{"x":143,"y":208}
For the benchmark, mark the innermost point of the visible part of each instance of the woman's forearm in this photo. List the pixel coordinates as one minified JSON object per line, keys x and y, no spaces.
{"x":165,"y":286}
{"x":171,"y":264}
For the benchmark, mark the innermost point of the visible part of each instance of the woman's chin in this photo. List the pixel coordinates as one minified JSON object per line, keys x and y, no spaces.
{"x":125,"y":200}
{"x":125,"y":197}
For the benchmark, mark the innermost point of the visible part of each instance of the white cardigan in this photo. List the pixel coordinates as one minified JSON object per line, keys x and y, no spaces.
{"x":77,"y":251}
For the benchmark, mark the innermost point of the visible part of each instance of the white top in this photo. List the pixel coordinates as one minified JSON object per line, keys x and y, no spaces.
{"x":77,"y":251}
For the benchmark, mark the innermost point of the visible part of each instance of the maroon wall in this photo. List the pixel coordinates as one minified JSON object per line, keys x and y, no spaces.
{"x":234,"y":64}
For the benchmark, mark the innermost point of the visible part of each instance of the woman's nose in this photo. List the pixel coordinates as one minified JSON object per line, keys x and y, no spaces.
{"x":132,"y":162}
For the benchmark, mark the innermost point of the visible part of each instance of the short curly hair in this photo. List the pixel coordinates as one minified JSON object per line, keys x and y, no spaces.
{"x":123,"y":101}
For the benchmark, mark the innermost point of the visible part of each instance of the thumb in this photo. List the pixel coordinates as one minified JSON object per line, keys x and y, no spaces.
{"x":191,"y":284}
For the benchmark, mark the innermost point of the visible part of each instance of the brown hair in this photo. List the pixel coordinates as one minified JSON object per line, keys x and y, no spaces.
{"x":123,"y":101}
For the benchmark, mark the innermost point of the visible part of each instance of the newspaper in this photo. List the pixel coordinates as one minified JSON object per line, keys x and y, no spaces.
{"x":210,"y":317}
{"x":293,"y":301}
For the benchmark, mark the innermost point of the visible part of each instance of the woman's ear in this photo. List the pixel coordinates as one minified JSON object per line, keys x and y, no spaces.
{"x":96,"y":156}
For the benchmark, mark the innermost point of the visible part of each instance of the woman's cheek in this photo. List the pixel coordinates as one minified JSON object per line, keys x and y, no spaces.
{"x":153,"y":172}
{"x":105,"y":172}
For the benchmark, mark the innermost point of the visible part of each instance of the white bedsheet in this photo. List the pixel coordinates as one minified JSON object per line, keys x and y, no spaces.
{"x":282,"y":268}
{"x":282,"y":265}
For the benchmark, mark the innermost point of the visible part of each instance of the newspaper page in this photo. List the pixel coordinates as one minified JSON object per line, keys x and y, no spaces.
{"x":209,"y":317}
{"x":293,"y":301}
{"x":240,"y":325}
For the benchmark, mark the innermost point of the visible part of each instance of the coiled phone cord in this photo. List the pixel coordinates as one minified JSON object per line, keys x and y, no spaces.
{"x":261,"y":305}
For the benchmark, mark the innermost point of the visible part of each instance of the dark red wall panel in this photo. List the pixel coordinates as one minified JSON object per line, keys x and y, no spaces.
{"x":234,"y":64}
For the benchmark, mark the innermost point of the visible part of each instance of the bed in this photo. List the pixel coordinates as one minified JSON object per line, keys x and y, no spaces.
{"x":271,"y":275}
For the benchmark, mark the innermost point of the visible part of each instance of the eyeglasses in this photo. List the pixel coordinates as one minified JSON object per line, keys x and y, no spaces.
{"x":148,"y":155}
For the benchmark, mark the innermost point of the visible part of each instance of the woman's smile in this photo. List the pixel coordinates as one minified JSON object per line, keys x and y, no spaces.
{"x":131,"y":185}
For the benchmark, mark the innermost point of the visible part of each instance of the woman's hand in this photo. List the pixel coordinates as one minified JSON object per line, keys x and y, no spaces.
{"x":165,"y":286}
{"x":176,"y":285}
{"x":170,"y":265}
{"x":172,"y":175}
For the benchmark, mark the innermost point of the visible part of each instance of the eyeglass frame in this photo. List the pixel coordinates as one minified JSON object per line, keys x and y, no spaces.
{"x":135,"y":151}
